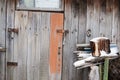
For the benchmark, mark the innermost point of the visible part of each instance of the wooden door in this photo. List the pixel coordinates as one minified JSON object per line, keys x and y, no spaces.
{"x":37,"y":46}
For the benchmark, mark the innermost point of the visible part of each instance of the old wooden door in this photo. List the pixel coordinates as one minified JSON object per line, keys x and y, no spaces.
{"x":37,"y":47}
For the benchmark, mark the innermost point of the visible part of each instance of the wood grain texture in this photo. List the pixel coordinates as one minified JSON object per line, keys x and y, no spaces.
{"x":106,"y":17}
{"x":21,"y":22}
{"x":96,"y":26}
{"x":82,"y":21}
{"x":70,"y":39}
{"x":93,"y":12}
{"x":100,"y":16}
{"x":66,"y":47}
{"x":116,"y":19}
{"x":30,"y":48}
{"x":32,"y":33}
{"x":118,"y":27}
{"x":109,"y":18}
{"x":33,"y":45}
{"x":10,"y":38}
{"x":45,"y":44}
{"x":56,"y":37}
{"x":2,"y":38}
{"x":90,"y":19}
{"x":82,"y":16}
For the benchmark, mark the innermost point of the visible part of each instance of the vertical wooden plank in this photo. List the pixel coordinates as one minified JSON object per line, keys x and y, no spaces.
{"x":44,"y":45}
{"x":115,"y":20}
{"x":21,"y":22}
{"x":66,"y":51}
{"x":2,"y":38}
{"x":10,"y":24}
{"x":37,"y":33}
{"x":2,"y":22}
{"x":93,"y":12}
{"x":96,"y":26}
{"x":66,"y":48}
{"x":34,"y":46}
{"x":10,"y":38}
{"x":31,"y":46}
{"x":82,"y":33}
{"x":70,"y":39}
{"x":90,"y":19}
{"x":109,"y":18}
{"x":118,"y":28}
{"x":82,"y":21}
{"x":102,"y":17}
{"x":56,"y":37}
{"x":106,"y":18}
{"x":14,"y":46}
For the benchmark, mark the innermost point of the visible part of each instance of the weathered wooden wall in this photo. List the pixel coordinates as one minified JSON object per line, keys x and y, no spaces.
{"x":101,"y":17}
{"x":36,"y":46}
{"x":2,"y":38}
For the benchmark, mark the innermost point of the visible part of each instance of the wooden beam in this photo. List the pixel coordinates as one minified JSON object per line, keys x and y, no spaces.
{"x":82,"y":45}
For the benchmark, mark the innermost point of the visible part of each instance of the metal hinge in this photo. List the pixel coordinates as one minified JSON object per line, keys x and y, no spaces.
{"x":2,"y":49}
{"x":12,"y":64}
{"x":14,"y":30}
{"x":62,"y":31}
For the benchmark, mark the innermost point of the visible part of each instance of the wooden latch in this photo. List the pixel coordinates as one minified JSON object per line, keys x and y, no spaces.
{"x":12,"y":64}
{"x":15,"y":30}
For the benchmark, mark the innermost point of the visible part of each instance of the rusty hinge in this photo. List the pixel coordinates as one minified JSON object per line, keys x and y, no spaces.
{"x":15,"y":30}
{"x":62,"y":31}
{"x":12,"y":64}
{"x":2,"y":49}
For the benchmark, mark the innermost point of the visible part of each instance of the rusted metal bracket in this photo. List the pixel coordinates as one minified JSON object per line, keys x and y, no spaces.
{"x":12,"y":64}
{"x":62,"y":31}
{"x":14,"y":30}
{"x":2,"y":49}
